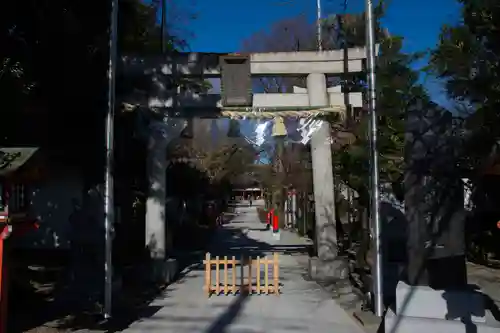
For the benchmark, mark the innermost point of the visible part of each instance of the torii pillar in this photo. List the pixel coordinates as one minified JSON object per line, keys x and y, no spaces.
{"x":326,"y":266}
{"x":238,"y":75}
{"x":163,"y":269}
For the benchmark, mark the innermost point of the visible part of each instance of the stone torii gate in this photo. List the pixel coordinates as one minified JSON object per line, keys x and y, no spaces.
{"x":174,"y":92}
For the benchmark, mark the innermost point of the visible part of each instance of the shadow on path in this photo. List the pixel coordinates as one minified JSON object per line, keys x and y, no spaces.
{"x":229,"y":316}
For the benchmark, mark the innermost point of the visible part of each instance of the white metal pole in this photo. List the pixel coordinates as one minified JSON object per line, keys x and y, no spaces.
{"x":375,"y":195}
{"x":318,"y":25}
{"x":108,"y":185}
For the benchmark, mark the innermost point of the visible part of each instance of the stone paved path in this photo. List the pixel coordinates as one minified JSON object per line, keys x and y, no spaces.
{"x":302,"y":306}
{"x":488,"y":279}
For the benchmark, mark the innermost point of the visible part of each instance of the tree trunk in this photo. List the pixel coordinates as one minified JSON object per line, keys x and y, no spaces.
{"x":433,"y":203}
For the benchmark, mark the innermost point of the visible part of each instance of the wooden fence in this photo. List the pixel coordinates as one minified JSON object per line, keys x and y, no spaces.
{"x":262,"y":284}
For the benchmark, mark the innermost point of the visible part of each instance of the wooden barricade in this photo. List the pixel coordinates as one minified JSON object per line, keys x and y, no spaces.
{"x":260,"y":283}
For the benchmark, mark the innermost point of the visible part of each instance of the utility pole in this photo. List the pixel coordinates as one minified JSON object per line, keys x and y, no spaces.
{"x":375,"y":195}
{"x":163,"y":27}
{"x":109,"y":209}
{"x":318,"y":25}
{"x":342,"y":43}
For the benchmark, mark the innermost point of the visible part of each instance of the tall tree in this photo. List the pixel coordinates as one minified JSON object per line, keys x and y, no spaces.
{"x":218,"y":153}
{"x":397,"y":90}
{"x":56,"y":53}
{"x":397,"y":87}
{"x":467,"y":61}
{"x":53,"y":66}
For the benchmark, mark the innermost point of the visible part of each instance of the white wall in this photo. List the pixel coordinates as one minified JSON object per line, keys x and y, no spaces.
{"x":51,"y":204}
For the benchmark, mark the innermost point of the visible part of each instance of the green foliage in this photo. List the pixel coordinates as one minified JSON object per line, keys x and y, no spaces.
{"x":53,"y":72}
{"x":350,"y":28}
{"x":467,"y":60}
{"x":56,"y":52}
{"x":397,"y":89}
{"x":139,"y":30}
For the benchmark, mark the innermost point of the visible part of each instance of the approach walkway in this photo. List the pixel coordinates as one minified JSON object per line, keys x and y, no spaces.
{"x":302,"y":306}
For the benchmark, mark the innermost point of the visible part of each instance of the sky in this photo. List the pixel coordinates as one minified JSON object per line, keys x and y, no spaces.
{"x":222,"y":25}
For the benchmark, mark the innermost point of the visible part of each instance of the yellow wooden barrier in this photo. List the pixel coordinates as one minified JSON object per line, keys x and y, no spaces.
{"x":247,"y":282}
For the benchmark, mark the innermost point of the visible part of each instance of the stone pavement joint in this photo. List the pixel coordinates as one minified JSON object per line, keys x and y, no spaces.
{"x":302,"y":307}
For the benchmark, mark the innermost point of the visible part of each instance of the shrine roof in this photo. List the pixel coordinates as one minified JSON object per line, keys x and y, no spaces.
{"x":12,"y":158}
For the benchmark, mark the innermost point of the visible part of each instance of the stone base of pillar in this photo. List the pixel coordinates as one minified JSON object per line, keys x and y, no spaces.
{"x":423,"y":309}
{"x":164,"y":270}
{"x":328,"y":271}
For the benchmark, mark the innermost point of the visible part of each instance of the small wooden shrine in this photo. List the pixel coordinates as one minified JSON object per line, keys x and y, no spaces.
{"x":15,"y":219}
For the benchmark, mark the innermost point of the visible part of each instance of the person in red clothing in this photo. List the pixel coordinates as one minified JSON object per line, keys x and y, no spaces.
{"x":275,"y":224}
{"x":270,"y":218}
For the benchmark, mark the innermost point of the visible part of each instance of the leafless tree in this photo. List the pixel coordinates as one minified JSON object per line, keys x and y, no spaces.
{"x":212,"y":151}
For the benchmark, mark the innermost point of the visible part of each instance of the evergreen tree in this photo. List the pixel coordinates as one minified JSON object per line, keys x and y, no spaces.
{"x":397,"y":88}
{"x":467,"y":60}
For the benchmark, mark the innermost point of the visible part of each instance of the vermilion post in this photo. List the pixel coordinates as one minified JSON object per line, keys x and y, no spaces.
{"x":4,"y":287}
{"x":3,"y":282}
